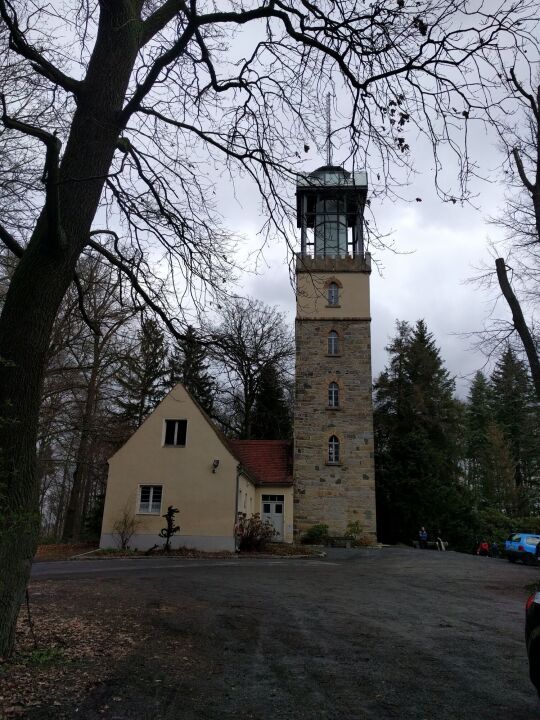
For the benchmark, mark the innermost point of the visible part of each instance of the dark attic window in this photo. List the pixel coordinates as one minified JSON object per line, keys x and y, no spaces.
{"x":175,"y":433}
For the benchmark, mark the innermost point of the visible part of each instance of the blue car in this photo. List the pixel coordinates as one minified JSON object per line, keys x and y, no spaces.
{"x":522,"y":546}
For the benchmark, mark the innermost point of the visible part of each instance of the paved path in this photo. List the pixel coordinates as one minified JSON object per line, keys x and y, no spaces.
{"x":361,"y":635}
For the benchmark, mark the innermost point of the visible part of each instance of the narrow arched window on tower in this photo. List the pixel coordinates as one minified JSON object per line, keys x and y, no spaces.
{"x":333,"y":294}
{"x":333,"y":343}
{"x":333,"y":395}
{"x":333,"y":449}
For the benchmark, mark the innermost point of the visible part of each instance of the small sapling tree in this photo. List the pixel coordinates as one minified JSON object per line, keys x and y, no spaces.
{"x":167,"y":532}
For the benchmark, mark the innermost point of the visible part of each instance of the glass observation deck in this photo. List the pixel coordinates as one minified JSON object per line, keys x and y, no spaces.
{"x":330,"y":212}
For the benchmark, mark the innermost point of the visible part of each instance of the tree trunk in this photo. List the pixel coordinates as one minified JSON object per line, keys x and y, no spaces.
{"x":73,"y":524}
{"x":520,"y":324}
{"x":59,"y":522}
{"x":39,"y":283}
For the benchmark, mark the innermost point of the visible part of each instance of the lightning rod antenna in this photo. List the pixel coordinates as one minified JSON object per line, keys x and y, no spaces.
{"x":328,"y":132}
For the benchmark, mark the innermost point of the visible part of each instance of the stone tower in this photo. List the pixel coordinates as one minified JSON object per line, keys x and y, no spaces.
{"x":333,"y":420}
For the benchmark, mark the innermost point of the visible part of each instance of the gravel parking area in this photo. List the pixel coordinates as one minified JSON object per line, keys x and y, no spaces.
{"x":391,"y":633}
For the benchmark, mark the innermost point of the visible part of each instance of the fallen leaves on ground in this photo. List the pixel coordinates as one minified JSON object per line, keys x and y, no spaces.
{"x":62,"y":551}
{"x":67,"y":654}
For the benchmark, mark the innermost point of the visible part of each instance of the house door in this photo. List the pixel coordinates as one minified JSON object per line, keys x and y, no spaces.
{"x":272,"y":510}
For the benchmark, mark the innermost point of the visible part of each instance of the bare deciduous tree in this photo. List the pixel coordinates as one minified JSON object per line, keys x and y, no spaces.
{"x":251,"y":338}
{"x":105,"y":316}
{"x":521,"y":218}
{"x":77,"y":428}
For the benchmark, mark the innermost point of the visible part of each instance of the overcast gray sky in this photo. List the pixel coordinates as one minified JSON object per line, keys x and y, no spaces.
{"x":438,"y":246}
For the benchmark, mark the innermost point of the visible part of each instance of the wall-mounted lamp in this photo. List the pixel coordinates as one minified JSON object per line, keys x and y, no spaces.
{"x":215,"y":465}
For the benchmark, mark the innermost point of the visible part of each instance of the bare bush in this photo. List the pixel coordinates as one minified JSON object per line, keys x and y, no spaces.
{"x":125,"y":527}
{"x":254,"y":533}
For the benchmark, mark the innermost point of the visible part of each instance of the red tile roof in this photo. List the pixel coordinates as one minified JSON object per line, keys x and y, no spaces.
{"x":269,"y":462}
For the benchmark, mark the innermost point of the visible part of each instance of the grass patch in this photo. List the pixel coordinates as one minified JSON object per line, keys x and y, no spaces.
{"x":45,"y":656}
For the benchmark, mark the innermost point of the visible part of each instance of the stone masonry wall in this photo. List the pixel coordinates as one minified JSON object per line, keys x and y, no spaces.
{"x":324,"y":493}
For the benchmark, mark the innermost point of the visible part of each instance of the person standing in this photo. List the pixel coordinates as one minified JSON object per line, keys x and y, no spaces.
{"x":422,"y":538}
{"x":483,"y":549}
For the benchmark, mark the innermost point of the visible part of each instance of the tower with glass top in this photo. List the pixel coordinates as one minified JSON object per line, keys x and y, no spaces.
{"x":333,"y":420}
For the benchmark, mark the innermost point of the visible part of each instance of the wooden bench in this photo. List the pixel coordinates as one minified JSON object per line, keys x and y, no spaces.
{"x":431,"y":544}
{"x":338,"y":541}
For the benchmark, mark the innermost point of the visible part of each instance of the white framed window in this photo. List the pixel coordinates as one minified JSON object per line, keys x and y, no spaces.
{"x":333,"y":294}
{"x":272,"y":504}
{"x":150,"y":499}
{"x":175,"y":433}
{"x":333,"y":449}
{"x":333,"y":395}
{"x":333,"y":343}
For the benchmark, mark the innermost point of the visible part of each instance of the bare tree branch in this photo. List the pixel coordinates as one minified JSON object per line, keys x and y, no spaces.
{"x":521,"y":170}
{"x":521,"y":90}
{"x":519,"y":323}
{"x":123,"y":265}
{"x":10,"y":242}
{"x":50,"y":172}
{"x":160,"y":18}
{"x":163,"y":60}
{"x":80,"y":294}
{"x":19,"y":43}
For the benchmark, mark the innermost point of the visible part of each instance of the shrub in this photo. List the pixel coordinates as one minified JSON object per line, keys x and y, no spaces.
{"x":494,"y":525}
{"x":353,"y":532}
{"x":315,"y":535}
{"x":125,"y":527}
{"x":488,"y":523}
{"x":254,"y":533}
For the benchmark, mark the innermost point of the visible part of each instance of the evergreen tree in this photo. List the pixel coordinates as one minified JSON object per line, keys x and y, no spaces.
{"x":516,"y":412}
{"x":417,"y":422}
{"x":142,"y":380}
{"x":498,"y":489}
{"x":389,"y":428}
{"x":188,"y":365}
{"x":478,"y":420}
{"x":272,"y":417}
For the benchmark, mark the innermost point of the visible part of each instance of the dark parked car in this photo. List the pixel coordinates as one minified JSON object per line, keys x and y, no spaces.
{"x":522,"y":546}
{"x":532,"y":637}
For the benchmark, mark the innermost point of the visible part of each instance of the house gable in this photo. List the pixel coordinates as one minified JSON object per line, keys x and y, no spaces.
{"x":199,"y":477}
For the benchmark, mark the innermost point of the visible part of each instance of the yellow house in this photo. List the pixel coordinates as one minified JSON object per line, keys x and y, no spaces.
{"x":178,"y":457}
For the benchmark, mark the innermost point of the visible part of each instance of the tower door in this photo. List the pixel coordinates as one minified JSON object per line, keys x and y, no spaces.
{"x":272,"y":510}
